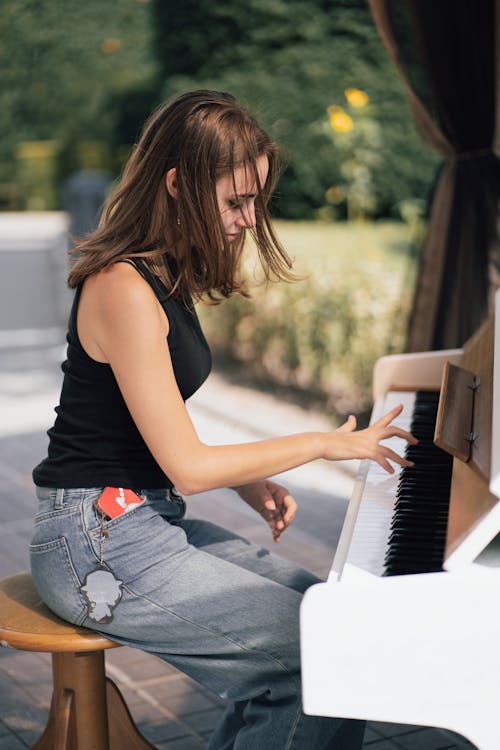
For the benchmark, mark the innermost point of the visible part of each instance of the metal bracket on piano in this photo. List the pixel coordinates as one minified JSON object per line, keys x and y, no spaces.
{"x":455,"y":425}
{"x":470,"y":436}
{"x":475,"y":383}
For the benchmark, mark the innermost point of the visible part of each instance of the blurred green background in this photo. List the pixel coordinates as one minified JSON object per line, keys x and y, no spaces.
{"x":79,"y":79}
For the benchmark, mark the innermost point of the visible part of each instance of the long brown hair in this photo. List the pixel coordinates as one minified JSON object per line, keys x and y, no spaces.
{"x":204,"y":135}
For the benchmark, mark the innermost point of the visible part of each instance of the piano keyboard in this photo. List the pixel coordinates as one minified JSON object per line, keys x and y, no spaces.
{"x":418,"y":528}
{"x":400,"y":525}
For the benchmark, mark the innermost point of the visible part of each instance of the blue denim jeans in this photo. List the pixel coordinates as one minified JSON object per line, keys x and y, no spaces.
{"x":216,"y":606}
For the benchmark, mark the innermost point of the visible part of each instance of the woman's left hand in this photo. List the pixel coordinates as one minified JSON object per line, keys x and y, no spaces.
{"x":274,"y":503}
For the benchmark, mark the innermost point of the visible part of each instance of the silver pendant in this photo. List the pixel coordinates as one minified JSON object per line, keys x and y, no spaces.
{"x":103,"y":592}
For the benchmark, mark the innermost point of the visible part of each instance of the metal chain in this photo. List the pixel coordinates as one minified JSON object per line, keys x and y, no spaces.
{"x":103,"y":533}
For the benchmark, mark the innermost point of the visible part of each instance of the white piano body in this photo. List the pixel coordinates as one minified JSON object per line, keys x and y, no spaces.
{"x":418,"y":649}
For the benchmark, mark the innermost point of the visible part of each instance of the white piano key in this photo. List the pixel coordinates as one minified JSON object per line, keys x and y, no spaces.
{"x":376,"y":494}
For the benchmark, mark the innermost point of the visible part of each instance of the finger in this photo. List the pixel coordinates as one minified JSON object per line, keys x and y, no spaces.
{"x":349,"y":425}
{"x":393,"y":456}
{"x":280,"y":511}
{"x":398,"y":432}
{"x":290,"y":510}
{"x":275,"y":531}
{"x":392,"y":414}
{"x":269,"y":504}
{"x":282,"y":499}
{"x":385,"y":465}
{"x":280,"y":524}
{"x":273,"y":517}
{"x":267,"y":514}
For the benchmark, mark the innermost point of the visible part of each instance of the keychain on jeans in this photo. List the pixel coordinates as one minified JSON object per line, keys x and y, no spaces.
{"x":101,"y":589}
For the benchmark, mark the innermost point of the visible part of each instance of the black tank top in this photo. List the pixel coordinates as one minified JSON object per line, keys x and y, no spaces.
{"x":94,"y":441}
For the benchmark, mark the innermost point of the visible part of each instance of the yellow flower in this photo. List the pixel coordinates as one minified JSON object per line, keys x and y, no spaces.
{"x":356,"y":97}
{"x":111,"y":45}
{"x":335,"y":194}
{"x":339,"y":120}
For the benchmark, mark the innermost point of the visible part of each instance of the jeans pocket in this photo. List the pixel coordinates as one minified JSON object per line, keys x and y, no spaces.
{"x":56,"y":580}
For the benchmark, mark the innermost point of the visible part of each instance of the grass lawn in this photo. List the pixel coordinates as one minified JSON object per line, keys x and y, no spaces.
{"x":346,"y":244}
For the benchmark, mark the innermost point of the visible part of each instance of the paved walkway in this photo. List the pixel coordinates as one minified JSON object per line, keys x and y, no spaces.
{"x":171,"y":710}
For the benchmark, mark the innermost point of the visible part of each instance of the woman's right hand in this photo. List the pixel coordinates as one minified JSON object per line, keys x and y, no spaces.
{"x":347,"y":443}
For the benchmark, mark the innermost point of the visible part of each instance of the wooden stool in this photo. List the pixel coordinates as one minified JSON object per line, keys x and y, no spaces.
{"x":87,"y":711}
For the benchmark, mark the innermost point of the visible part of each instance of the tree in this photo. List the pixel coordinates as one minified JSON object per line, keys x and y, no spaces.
{"x":289,"y":61}
{"x":64,"y":64}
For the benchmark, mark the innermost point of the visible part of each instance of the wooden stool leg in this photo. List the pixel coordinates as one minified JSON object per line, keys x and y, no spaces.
{"x":87,"y":708}
{"x":83,"y":674}
{"x":59,"y":734}
{"x":123,"y":732}
{"x":78,"y":717}
{"x":65,"y":720}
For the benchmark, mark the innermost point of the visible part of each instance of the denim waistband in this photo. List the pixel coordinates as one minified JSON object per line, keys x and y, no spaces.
{"x":65,"y":498}
{"x":46,"y":493}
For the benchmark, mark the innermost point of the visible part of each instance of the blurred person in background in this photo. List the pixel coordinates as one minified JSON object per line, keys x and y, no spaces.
{"x":83,"y":194}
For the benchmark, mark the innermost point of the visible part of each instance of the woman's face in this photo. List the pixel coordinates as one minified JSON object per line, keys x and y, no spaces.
{"x":236,"y":194}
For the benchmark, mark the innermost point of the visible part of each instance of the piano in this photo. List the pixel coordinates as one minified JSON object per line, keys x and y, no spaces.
{"x":406,"y":628}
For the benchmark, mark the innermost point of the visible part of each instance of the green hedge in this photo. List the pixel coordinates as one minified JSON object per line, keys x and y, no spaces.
{"x":321,"y":336}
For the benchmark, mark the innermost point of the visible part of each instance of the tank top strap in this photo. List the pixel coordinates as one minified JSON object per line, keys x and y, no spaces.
{"x":154,"y":282}
{"x":72,"y":329}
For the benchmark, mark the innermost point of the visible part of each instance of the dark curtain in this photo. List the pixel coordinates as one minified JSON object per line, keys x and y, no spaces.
{"x":447,"y":53}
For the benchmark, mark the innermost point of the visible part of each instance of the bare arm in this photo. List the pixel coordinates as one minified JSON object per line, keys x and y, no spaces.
{"x":122,"y":322}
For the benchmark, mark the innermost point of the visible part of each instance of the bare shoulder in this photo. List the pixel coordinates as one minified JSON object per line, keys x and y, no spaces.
{"x":118,"y":305}
{"x":121,"y":290}
{"x":118,"y":279}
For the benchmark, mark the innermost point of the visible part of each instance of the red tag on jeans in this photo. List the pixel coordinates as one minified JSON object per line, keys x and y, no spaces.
{"x":114,"y":501}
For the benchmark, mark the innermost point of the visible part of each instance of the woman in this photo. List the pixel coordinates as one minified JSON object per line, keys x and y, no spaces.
{"x":111,"y":550}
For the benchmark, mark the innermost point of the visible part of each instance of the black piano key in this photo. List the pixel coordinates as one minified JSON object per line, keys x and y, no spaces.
{"x":403,"y":538}
{"x":414,"y":500}
{"x":410,"y":568}
{"x":419,"y":558}
{"x":428,"y":451}
{"x":407,"y":516}
{"x":425,"y":564}
{"x":411,"y":523}
{"x":424,"y":455}
{"x":418,"y":529}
